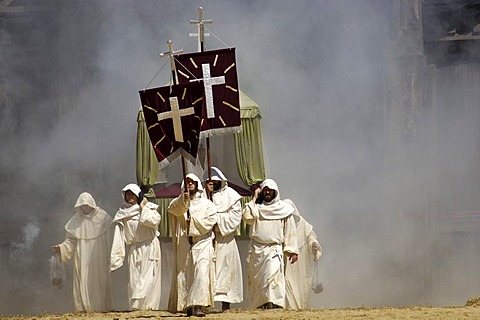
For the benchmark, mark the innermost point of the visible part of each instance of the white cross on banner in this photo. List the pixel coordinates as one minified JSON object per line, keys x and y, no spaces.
{"x":208,"y":82}
{"x":173,"y":119}
{"x":217,"y":69}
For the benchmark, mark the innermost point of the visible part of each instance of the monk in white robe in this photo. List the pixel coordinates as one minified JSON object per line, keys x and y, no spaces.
{"x":193,"y":217}
{"x":272,"y":234}
{"x":298,"y":276}
{"x":88,"y":240}
{"x":136,"y":236}
{"x":228,"y":268}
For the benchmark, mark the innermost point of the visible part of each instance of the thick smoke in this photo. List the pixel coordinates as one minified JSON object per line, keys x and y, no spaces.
{"x":69,"y":101}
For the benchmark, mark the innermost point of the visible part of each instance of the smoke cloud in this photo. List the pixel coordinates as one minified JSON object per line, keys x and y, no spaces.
{"x":69,"y":100}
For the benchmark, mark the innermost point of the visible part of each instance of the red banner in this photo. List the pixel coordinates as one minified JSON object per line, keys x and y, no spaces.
{"x":218,"y":71}
{"x":173,"y":118}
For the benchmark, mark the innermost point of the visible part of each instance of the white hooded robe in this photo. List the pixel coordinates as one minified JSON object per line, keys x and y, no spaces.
{"x":298,"y":276}
{"x":136,"y":236}
{"x":192,"y":278}
{"x":88,"y":241}
{"x":228,"y":267}
{"x":272,"y":233}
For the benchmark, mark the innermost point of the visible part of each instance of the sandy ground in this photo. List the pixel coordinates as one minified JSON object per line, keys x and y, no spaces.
{"x":465,"y":312}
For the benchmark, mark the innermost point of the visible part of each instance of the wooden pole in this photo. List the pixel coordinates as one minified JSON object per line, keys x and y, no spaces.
{"x":201,"y":48}
{"x":170,"y":53}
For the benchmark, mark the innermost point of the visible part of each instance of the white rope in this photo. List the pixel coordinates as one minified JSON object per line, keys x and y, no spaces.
{"x":155,"y":75}
{"x":226,"y":45}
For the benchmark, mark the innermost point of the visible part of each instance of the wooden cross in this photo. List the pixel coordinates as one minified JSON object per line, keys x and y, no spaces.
{"x":201,"y":28}
{"x":170,"y":53}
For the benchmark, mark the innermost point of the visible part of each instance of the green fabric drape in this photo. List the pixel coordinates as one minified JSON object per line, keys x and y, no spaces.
{"x":147,"y":163}
{"x":249,"y":143}
{"x":249,"y":152}
{"x":242,"y":229}
{"x":164,"y":227}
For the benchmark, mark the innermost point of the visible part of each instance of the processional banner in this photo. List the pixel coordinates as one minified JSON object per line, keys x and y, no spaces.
{"x":173,"y":117}
{"x":217,"y":69}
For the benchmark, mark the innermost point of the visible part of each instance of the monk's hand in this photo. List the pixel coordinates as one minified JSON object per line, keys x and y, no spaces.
{"x":315,"y":247}
{"x":143,"y":203}
{"x":256,"y":193}
{"x":293,"y":258}
{"x":56,"y":249}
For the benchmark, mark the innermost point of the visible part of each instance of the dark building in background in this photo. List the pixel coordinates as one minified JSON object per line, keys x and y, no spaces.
{"x":432,"y":143}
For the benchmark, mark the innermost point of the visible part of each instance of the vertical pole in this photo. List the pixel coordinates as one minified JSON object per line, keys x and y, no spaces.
{"x":201,"y":37}
{"x":175,"y":82}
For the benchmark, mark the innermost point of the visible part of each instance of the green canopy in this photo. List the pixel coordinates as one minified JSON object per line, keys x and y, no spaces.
{"x":249,"y":143}
{"x":147,"y":163}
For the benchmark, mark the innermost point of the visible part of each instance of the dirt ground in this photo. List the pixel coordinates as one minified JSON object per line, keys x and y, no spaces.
{"x":465,"y":312}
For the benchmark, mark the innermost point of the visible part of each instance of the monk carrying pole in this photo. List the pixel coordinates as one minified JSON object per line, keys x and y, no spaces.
{"x":170,"y":53}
